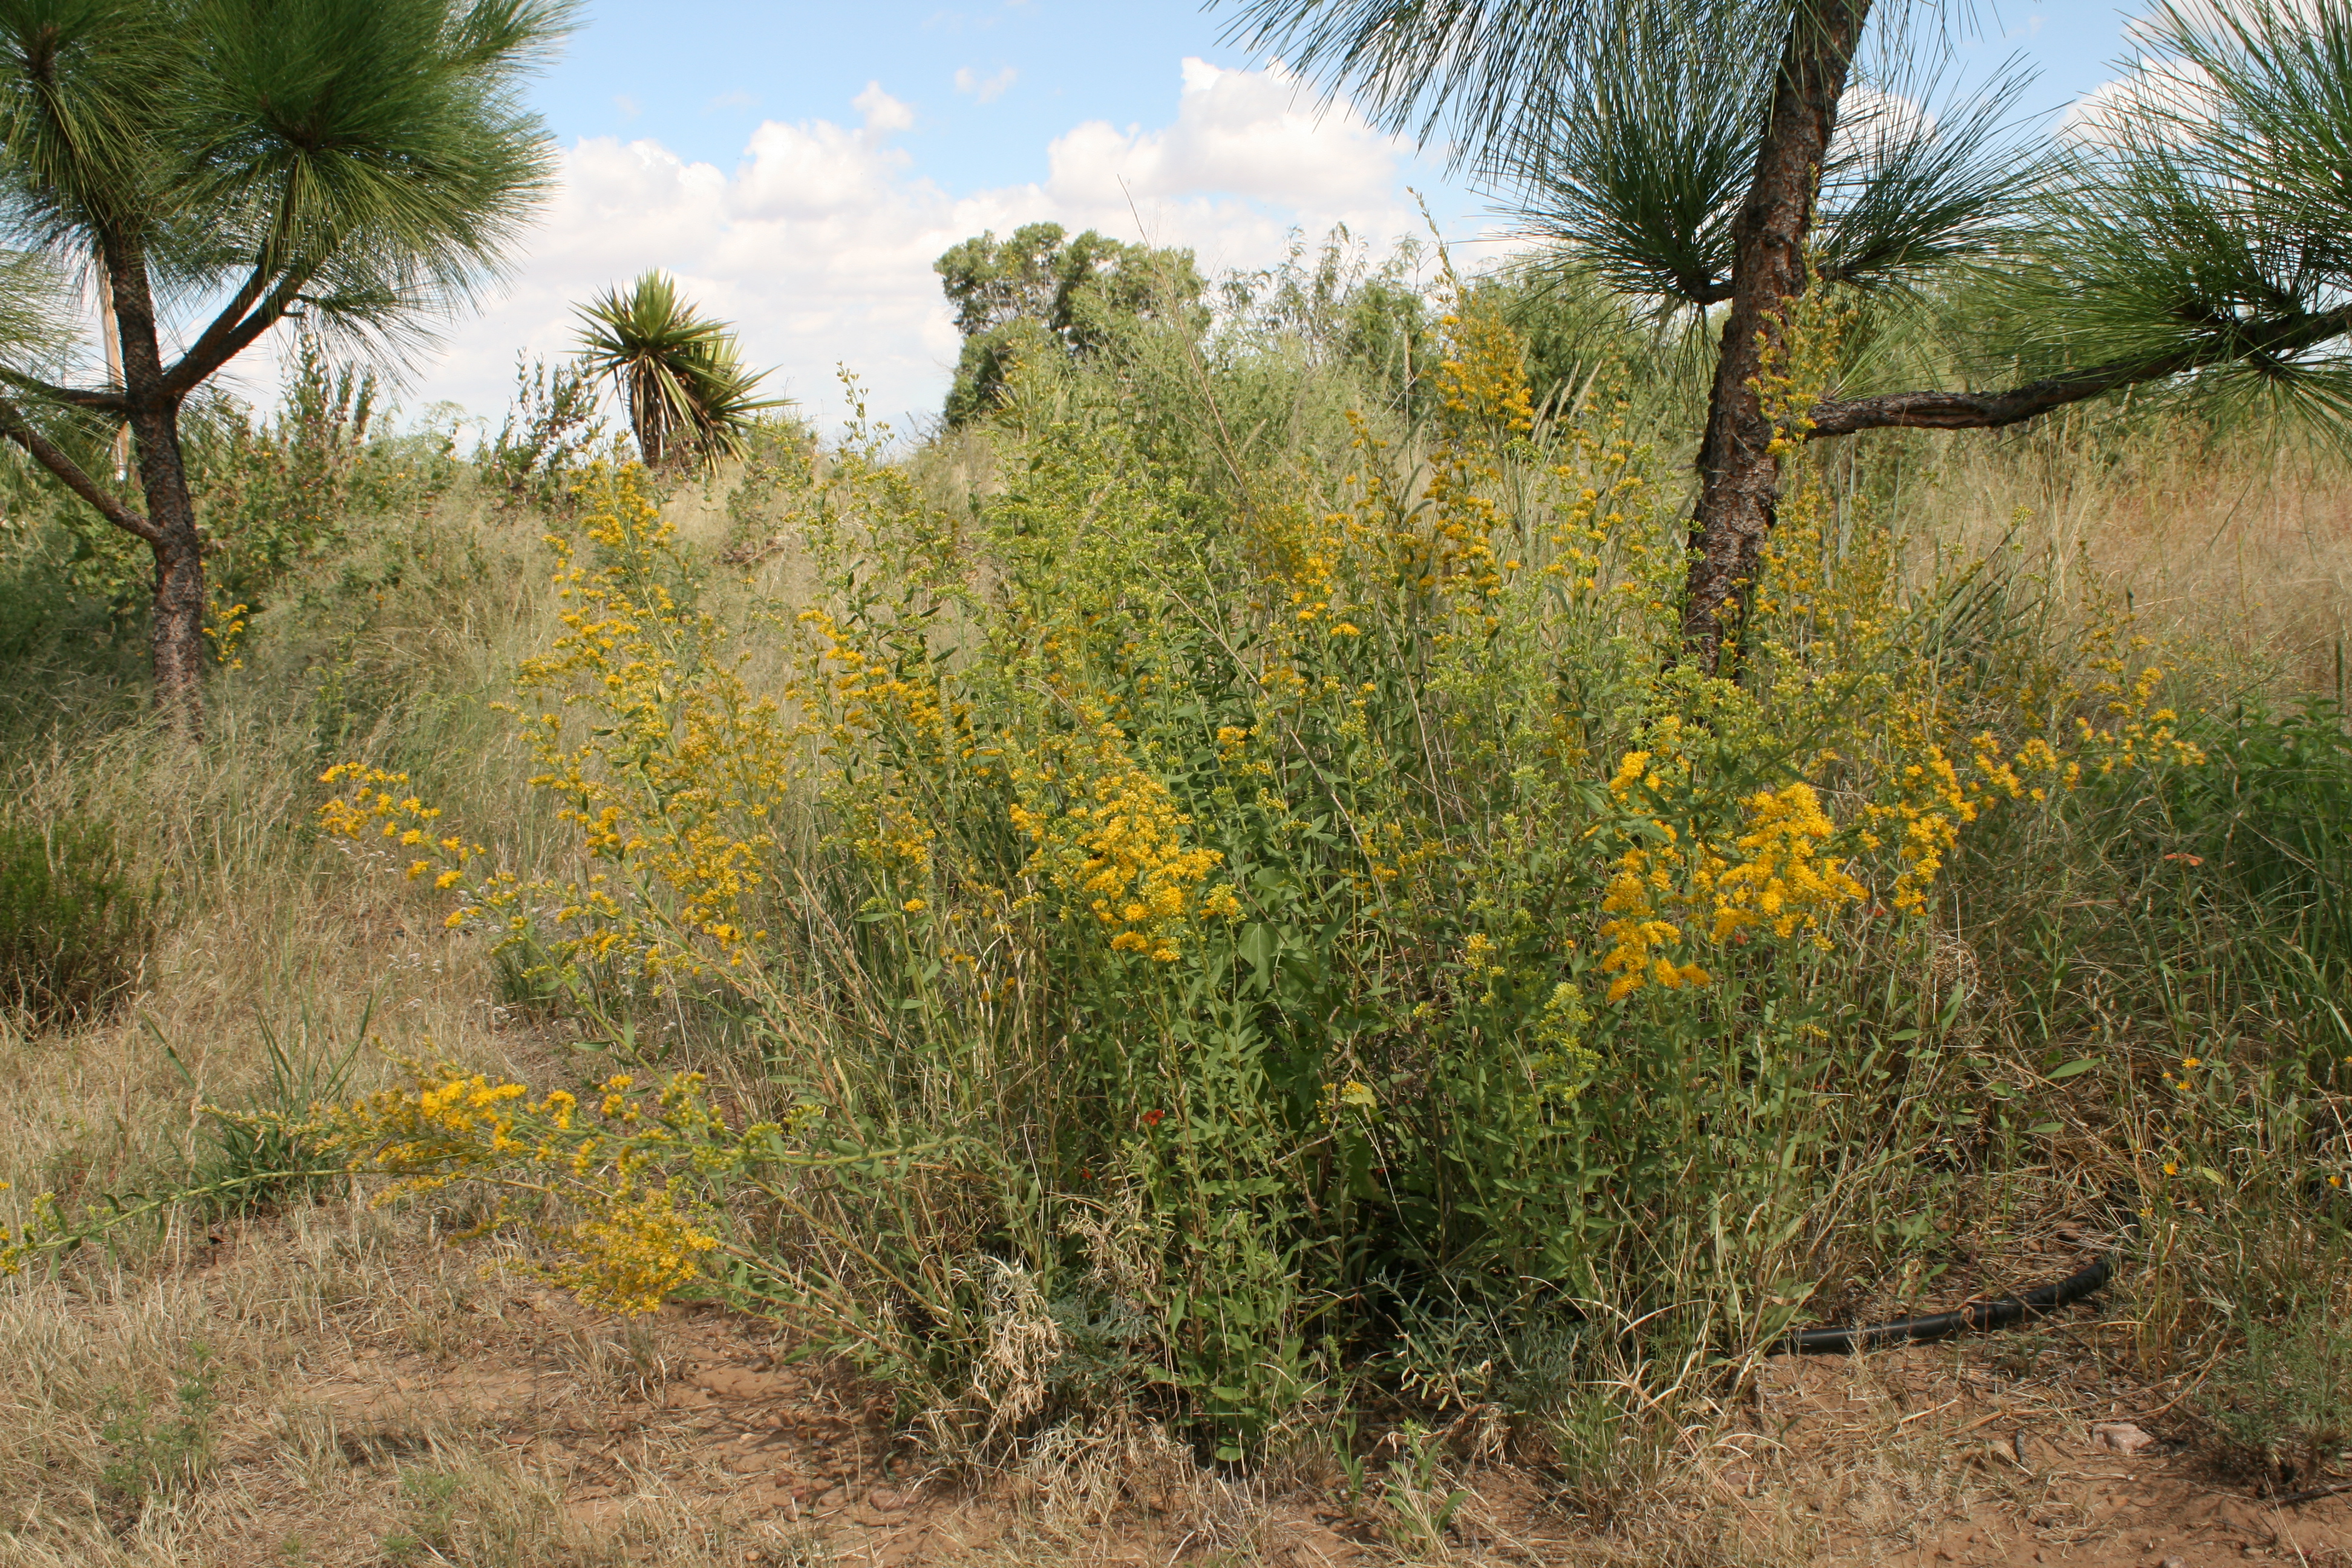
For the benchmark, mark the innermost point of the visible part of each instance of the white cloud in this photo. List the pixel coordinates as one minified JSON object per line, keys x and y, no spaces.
{"x":1876,"y":115}
{"x":2161,"y":80}
{"x":819,"y":244}
{"x":1251,"y":133}
{"x":2214,"y":18}
{"x":882,"y":112}
{"x":2172,"y":88}
{"x":984,"y":89}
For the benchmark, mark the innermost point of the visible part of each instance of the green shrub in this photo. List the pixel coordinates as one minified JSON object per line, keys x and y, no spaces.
{"x":1209,"y":951}
{"x":551,"y":428}
{"x":1217,"y":949}
{"x":2274,"y":812}
{"x":2281,"y":1399}
{"x":75,"y":922}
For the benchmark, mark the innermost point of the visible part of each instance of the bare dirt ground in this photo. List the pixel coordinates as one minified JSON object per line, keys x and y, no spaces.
{"x":1977,"y":1454}
{"x":393,"y":1401}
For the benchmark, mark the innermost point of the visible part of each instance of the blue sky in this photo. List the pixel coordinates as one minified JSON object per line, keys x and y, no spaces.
{"x":702,"y":74}
{"x":799,"y":165}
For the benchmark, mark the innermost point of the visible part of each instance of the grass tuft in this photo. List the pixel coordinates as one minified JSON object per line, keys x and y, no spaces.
{"x":75,"y":921}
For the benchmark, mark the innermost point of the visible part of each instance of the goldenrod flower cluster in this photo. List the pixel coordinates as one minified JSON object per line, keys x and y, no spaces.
{"x":1783,"y":867}
{"x":638,"y":1169}
{"x":675,"y":784}
{"x":2130,"y":729}
{"x":16,"y":1246}
{"x":1352,"y":1095}
{"x":224,"y":627}
{"x":1446,"y":546}
{"x":1561,"y":1063}
{"x":1640,"y":941}
{"x":639,"y":786}
{"x":1883,"y":782}
{"x":366,"y":808}
{"x":884,"y":731}
{"x":1599,"y":491}
{"x":1775,"y":877}
{"x":1782,"y":880}
{"x":1109,"y":834}
{"x":1483,"y":391}
{"x":632,"y":1252}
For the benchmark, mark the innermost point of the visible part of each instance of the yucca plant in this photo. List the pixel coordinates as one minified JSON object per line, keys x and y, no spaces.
{"x":680,"y":375}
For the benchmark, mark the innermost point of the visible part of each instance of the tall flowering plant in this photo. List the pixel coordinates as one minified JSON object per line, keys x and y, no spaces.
{"x":1200,"y":919}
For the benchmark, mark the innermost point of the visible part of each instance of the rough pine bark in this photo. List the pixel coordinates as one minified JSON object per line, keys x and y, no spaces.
{"x":151,"y":407}
{"x":1738,"y":476}
{"x":648,"y":417}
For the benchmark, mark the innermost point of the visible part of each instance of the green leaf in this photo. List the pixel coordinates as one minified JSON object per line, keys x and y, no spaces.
{"x":1258,"y":945}
{"x":2072,"y":1069}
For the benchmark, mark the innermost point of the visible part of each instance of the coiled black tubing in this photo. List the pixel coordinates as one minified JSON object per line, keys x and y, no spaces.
{"x":1972,"y":1318}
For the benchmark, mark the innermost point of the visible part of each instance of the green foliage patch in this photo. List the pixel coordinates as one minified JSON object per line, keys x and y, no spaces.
{"x":1225,"y":951}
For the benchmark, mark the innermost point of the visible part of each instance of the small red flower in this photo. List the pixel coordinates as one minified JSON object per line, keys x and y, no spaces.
{"x":1154,"y":1117}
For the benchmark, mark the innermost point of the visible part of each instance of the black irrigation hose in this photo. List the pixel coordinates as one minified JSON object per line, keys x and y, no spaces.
{"x":1975,"y":1317}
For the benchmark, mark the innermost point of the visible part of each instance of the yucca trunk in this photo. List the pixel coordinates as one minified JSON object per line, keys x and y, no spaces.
{"x":649,"y":419}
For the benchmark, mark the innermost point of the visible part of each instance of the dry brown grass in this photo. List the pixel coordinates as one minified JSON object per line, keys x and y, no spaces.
{"x":377,"y":1398}
{"x":310,"y":1335}
{"x":2240,"y":540}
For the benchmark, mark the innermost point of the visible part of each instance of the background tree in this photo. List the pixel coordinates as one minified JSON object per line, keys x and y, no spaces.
{"x":1043,"y":292}
{"x":1710,"y":156}
{"x":359,"y":165}
{"x":681,"y":377}
{"x":1344,"y":310}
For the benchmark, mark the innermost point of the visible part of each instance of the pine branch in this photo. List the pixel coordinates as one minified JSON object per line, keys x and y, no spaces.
{"x":109,"y":401}
{"x":17,"y":428}
{"x":2269,"y":343}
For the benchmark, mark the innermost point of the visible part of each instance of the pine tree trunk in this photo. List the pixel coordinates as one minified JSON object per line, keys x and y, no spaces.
{"x":176,"y":632}
{"x":176,"y":629}
{"x":1738,"y":477}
